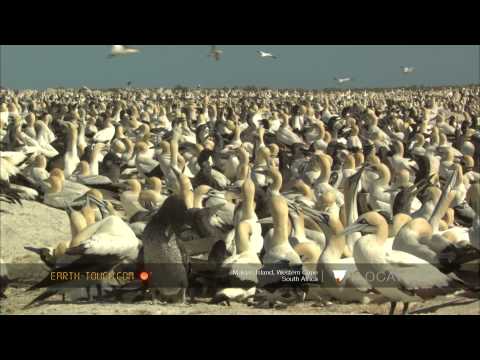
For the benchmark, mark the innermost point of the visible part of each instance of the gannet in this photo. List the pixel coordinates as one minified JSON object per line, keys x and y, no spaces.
{"x":343,"y":80}
{"x":351,"y":287}
{"x":107,"y":133}
{"x":164,"y":255}
{"x":129,"y":198}
{"x":70,"y":157}
{"x":103,"y":246}
{"x":121,"y":50}
{"x":84,"y":176}
{"x":264,"y":55}
{"x":397,"y":275}
{"x":322,"y":184}
{"x":8,"y":170}
{"x":279,"y":254}
{"x":51,"y":256}
{"x":285,"y":134}
{"x":241,"y":269}
{"x":408,"y":69}
{"x":215,"y":53}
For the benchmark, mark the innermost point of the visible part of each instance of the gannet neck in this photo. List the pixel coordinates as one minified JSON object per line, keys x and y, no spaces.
{"x":236,"y":134}
{"x":399,"y":149}
{"x":174,"y":153}
{"x":261,"y":133}
{"x":420,"y":140}
{"x":77,"y":223}
{"x":277,"y":180}
{"x":384,"y":173}
{"x":381,"y":225}
{"x":94,"y":158}
{"x":321,"y":130}
{"x":155,"y":183}
{"x":200,"y":194}
{"x":89,"y":214}
{"x":72,"y":138}
{"x":305,"y":190}
{"x":119,"y":132}
{"x":459,"y":179}
{"x":355,"y":130}
{"x":165,"y":146}
{"x":334,"y":236}
{"x":248,"y":197}
{"x":440,"y":209}
{"x":327,"y":137}
{"x":186,"y":191}
{"x":242,"y":237}
{"x":349,"y":162}
{"x":299,"y":225}
{"x":279,"y":211}
{"x":84,"y":168}
{"x":325,"y":168}
{"x":242,"y":172}
{"x":263,"y":155}
{"x":399,"y":221}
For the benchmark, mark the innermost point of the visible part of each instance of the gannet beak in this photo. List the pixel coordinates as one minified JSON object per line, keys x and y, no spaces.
{"x":37,"y":251}
{"x":69,"y":210}
{"x":79,"y":201}
{"x":268,"y":220}
{"x":353,"y":229}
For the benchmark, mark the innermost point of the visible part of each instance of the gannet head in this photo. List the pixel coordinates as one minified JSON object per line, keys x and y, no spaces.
{"x":367,"y":223}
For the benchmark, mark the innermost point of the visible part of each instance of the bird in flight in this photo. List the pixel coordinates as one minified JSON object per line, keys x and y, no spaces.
{"x":120,"y":50}
{"x":408,"y":70}
{"x":343,"y":80}
{"x":263,"y":54}
{"x":215,"y":53}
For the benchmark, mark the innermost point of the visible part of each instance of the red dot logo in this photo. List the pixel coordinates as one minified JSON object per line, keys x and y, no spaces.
{"x":144,"y":276}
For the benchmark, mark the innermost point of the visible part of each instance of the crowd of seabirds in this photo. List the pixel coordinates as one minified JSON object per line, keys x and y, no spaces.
{"x":230,"y":194}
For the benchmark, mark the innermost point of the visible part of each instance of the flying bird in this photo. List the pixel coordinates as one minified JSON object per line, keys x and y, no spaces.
{"x":265,"y":55}
{"x":343,"y":80}
{"x":408,"y":70}
{"x":215,"y":53}
{"x":120,"y":50}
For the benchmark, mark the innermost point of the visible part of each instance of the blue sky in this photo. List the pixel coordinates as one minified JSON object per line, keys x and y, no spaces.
{"x":315,"y":66}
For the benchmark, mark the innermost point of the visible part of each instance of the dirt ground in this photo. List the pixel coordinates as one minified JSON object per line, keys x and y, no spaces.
{"x":39,"y":225}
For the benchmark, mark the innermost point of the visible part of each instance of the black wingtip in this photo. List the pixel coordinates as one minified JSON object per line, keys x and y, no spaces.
{"x":43,"y":296}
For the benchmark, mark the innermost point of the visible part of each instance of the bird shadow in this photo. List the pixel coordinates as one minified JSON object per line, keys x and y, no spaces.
{"x":435,"y":308}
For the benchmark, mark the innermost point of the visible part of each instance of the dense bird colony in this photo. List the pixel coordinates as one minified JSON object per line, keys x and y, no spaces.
{"x":266,"y":197}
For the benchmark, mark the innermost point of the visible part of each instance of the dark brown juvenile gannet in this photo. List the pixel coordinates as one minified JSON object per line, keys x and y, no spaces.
{"x":164,"y":255}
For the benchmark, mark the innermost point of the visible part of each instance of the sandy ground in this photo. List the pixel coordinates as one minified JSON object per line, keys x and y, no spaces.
{"x":39,"y":225}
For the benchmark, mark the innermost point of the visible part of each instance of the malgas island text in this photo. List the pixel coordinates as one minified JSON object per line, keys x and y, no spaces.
{"x":282,"y":274}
